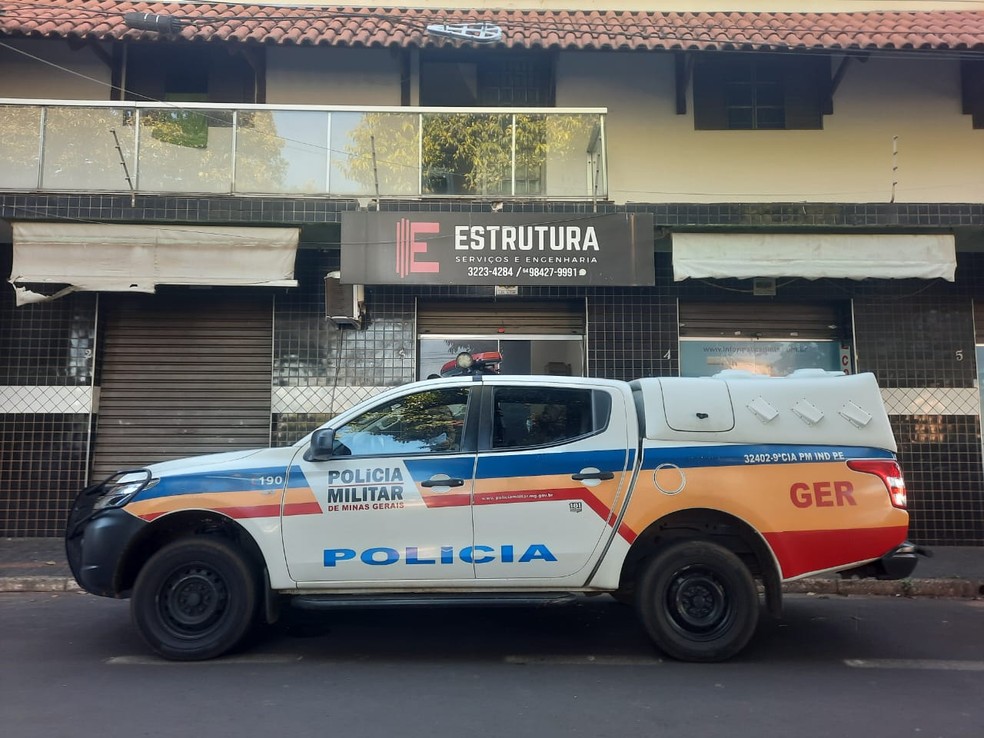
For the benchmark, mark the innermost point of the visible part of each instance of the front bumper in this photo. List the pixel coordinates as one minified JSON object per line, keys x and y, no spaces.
{"x":96,"y":542}
{"x":899,"y":563}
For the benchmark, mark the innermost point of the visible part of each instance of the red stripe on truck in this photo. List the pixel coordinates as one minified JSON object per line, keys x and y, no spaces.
{"x":805,"y":551}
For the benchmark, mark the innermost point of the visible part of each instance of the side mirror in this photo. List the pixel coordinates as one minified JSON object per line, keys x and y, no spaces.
{"x":322,"y":443}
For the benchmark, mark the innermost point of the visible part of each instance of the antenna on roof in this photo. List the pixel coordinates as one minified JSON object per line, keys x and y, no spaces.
{"x":479,"y":33}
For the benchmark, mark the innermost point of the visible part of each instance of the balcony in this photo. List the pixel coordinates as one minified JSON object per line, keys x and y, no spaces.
{"x":301,"y":151}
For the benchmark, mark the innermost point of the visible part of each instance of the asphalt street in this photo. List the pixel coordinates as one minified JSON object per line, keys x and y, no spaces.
{"x":71,"y":664}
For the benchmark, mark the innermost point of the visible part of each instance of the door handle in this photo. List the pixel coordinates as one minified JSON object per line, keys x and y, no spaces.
{"x":580,"y":477}
{"x":446,"y":482}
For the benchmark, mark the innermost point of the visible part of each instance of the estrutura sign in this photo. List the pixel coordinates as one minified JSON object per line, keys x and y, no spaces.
{"x":497,"y":249}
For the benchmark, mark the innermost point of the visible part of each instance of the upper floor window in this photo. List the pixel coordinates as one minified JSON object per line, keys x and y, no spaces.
{"x":744,"y":91}
{"x":462,"y":79}
{"x":466,"y":154}
{"x":195,"y":73}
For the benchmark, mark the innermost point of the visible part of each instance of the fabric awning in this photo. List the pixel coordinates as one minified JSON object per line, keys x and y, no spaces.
{"x":136,"y":258}
{"x":812,"y":256}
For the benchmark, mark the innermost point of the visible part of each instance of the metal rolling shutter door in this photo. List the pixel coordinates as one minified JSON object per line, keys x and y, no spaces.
{"x":182,"y":375}
{"x":560,"y":317}
{"x":736,"y":320}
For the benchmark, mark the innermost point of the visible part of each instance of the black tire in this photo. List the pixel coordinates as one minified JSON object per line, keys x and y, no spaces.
{"x":195,"y":599}
{"x":698,"y":602}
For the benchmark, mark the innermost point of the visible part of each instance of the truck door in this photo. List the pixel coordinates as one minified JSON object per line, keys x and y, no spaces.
{"x":551,"y":468}
{"x":394,"y":502}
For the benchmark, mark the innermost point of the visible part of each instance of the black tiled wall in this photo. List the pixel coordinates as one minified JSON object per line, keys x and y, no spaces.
{"x":45,"y":344}
{"x":941,"y":458}
{"x":632,"y":335}
{"x":310,"y":351}
{"x":42,"y":455}
{"x":923,"y":341}
{"x":42,"y":467}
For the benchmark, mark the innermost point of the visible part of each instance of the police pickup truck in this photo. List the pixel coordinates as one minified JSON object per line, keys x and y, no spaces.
{"x":678,"y":495}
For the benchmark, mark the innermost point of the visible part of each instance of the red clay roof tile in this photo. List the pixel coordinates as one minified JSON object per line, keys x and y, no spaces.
{"x":573,"y":29}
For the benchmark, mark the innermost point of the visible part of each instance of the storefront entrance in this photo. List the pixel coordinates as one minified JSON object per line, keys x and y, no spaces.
{"x":531,"y":337}
{"x":183,"y":372}
{"x":774,"y":339}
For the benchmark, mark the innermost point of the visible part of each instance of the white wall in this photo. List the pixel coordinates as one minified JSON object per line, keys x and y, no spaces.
{"x":67,"y":75}
{"x":655,"y":155}
{"x":332,"y":76}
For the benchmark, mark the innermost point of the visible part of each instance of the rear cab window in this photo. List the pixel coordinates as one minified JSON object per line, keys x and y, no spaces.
{"x":525,"y":417}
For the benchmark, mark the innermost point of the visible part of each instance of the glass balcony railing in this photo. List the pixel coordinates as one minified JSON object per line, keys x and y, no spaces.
{"x":192,"y":148}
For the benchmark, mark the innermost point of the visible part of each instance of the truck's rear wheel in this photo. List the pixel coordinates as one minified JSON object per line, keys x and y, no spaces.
{"x":698,"y":602}
{"x":195,"y":599}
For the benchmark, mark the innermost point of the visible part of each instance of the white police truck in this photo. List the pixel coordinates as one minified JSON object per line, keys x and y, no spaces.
{"x":679,"y":495}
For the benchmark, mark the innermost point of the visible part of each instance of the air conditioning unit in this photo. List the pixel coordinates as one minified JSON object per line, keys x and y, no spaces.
{"x":344,"y":303}
{"x":764,"y":286}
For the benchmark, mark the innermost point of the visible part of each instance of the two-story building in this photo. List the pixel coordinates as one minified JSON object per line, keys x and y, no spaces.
{"x":222,"y":224}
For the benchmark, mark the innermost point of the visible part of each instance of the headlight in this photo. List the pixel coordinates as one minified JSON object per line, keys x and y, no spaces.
{"x":117,"y":494}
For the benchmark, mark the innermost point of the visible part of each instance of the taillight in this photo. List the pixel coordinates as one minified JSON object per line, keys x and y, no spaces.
{"x":889,"y":472}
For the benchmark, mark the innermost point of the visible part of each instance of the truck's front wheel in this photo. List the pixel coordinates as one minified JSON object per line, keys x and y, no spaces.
{"x":195,"y":599}
{"x":698,"y":602}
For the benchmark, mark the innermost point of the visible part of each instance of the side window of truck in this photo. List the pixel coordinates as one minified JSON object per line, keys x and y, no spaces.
{"x":540,"y":416}
{"x":424,"y":422}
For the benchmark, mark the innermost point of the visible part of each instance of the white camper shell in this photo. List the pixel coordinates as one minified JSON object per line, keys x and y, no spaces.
{"x":811,"y":407}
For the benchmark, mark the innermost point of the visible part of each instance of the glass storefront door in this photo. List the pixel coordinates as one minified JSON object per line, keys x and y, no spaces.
{"x":771,"y":357}
{"x":529,"y":354}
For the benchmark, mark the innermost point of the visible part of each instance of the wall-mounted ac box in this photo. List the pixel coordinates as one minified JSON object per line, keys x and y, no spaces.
{"x":344,"y":303}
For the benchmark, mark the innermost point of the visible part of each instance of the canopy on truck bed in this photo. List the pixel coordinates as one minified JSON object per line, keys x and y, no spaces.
{"x":811,"y":407}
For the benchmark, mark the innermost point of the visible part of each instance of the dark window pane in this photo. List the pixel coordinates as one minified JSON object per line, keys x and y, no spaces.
{"x":737,"y":70}
{"x":768,"y":71}
{"x":770,"y":118}
{"x":769,"y":95}
{"x":739,"y":95}
{"x":740,"y":118}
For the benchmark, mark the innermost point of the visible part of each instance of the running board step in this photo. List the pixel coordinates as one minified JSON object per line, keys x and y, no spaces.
{"x":504,"y":599}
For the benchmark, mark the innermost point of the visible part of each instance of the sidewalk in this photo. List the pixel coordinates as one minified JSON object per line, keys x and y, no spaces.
{"x":39,"y":565}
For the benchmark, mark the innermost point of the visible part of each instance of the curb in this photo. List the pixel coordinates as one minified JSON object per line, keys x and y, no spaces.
{"x":38,"y":584}
{"x":952,"y":588}
{"x":955,"y":588}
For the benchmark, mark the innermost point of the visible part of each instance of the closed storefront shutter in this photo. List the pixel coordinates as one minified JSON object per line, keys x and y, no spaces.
{"x":559,"y":317}
{"x":735,"y":320}
{"x":182,"y":374}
